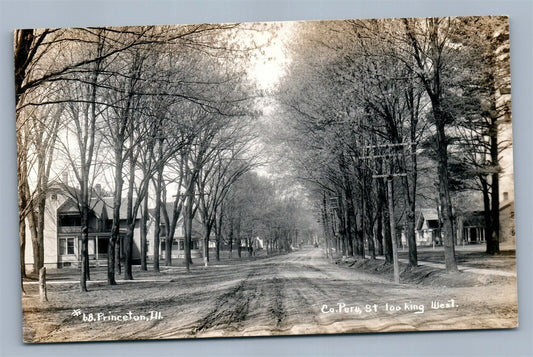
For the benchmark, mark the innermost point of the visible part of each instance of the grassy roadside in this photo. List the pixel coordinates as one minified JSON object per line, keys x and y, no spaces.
{"x":433,"y":276}
{"x":100,"y":273}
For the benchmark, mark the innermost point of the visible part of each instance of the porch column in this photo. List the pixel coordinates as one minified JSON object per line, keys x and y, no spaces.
{"x":460,"y":238}
{"x":96,"y":249}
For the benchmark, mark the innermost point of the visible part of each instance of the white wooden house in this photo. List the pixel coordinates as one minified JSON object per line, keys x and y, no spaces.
{"x":62,"y":232}
{"x":470,"y":227}
{"x":427,"y":228}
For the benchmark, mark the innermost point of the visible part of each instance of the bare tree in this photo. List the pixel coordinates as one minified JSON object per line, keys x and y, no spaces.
{"x":83,"y":119}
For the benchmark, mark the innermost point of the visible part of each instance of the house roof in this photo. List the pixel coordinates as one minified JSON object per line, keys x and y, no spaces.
{"x":100,"y":207}
{"x":68,"y":207}
{"x":169,"y":205}
{"x":473,"y":219}
{"x":426,"y":214}
{"x":429,"y":214}
{"x":98,"y":204}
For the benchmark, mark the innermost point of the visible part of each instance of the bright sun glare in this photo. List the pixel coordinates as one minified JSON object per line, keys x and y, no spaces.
{"x":268,"y":69}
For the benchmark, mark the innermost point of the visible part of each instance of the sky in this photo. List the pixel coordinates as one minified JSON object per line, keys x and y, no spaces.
{"x":269,"y":68}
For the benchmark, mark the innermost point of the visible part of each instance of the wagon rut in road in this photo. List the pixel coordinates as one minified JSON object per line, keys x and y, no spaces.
{"x":230,"y":310}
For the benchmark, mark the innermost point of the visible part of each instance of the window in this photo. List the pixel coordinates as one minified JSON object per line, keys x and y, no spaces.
{"x":70,"y":246}
{"x":433,"y":224}
{"x":505,"y":196}
{"x":66,"y":246}
{"x":69,"y":221}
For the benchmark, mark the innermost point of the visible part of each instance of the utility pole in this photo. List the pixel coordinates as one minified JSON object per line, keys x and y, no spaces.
{"x":392,"y":151}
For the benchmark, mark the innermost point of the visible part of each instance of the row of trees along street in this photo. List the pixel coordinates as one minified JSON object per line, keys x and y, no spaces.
{"x":369,"y":114}
{"x":147,"y":114}
{"x":415,"y":98}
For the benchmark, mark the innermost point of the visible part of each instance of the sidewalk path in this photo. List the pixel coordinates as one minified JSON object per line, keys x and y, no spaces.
{"x":100,"y":281}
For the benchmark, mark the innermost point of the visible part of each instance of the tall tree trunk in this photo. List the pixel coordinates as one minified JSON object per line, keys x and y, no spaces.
{"x":238,"y":234}
{"x":207,"y":233}
{"x":119,"y":251}
{"x":381,"y":220}
{"x":493,"y":241}
{"x":409,"y":199}
{"x":24,"y":199}
{"x":218,"y":233}
{"x":351,"y":222}
{"x":190,"y":245}
{"x":41,"y":207}
{"x":130,"y":220}
{"x":38,"y":260}
{"x":22,"y":251}
{"x":325,"y":225}
{"x":487,"y":213}
{"x":432,"y":84}
{"x":368,"y":216}
{"x":342,"y":230}
{"x":157,"y":218}
{"x":217,"y":247}
{"x":36,"y":238}
{"x":231,"y":238}
{"x":379,"y":230}
{"x":347,"y":207}
{"x":448,"y":233}
{"x":177,"y":204}
{"x":169,"y":238}
{"x":144,"y":232}
{"x":348,"y":230}
{"x":128,"y":253}
{"x":84,"y":241}
{"x":169,"y":241}
{"x":411,"y":238}
{"x":115,"y":227}
{"x":413,"y":101}
{"x":187,"y":223}
{"x":360,"y":232}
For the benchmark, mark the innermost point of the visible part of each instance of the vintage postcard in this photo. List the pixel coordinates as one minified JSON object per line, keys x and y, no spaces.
{"x":260,"y":179}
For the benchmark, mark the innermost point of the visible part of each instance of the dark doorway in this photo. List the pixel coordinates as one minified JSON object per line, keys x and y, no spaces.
{"x":103,"y":245}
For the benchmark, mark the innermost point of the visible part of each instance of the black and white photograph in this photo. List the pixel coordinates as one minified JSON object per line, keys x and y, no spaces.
{"x":248,"y":179}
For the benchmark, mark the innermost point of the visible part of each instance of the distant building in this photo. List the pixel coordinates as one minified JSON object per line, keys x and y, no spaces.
{"x":178,"y":240}
{"x":427,"y":227}
{"x":471,"y":228}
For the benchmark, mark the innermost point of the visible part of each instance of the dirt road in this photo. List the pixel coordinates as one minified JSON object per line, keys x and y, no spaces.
{"x":299,"y":293}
